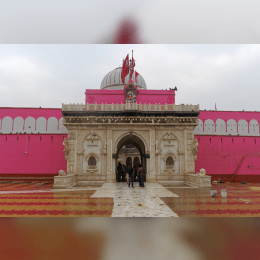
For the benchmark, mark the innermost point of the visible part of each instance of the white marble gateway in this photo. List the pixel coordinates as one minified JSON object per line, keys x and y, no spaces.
{"x":137,"y":202}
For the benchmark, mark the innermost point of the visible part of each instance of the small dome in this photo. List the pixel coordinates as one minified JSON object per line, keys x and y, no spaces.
{"x":113,"y":80}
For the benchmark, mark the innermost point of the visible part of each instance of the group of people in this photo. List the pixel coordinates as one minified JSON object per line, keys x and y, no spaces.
{"x":131,"y":173}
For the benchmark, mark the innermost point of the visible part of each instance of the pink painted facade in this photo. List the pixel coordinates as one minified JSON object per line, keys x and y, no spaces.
{"x":223,"y":156}
{"x":232,"y":151}
{"x":44,"y":154}
{"x":104,"y":96}
{"x":44,"y":151}
{"x":223,"y":152}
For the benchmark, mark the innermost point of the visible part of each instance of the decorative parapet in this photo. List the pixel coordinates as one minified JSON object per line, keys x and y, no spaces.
{"x":129,"y":107}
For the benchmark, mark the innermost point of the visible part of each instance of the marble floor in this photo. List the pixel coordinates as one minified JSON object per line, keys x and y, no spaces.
{"x":243,"y":200}
{"x":22,"y":199}
{"x":137,"y":201}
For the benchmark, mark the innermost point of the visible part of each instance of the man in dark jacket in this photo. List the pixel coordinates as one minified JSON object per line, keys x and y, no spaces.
{"x":141,"y":175}
{"x":130,"y":172}
{"x":135,"y":173}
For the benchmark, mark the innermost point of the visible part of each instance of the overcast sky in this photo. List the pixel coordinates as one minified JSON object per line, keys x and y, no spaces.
{"x":164,"y":21}
{"x":49,"y":75}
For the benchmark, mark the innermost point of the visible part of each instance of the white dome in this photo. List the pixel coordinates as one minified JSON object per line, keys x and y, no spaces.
{"x":113,"y":80}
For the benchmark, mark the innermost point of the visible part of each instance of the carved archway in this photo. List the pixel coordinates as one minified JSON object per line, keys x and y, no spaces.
{"x":135,"y":140}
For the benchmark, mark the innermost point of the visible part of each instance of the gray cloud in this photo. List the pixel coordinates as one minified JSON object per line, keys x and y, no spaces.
{"x":48,"y":75}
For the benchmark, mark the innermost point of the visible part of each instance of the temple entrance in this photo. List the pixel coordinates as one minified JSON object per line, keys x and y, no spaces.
{"x":130,"y":151}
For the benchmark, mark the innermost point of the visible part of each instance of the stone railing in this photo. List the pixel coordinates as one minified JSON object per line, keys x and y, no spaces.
{"x":64,"y":182}
{"x":128,"y":106}
{"x":197,"y":180}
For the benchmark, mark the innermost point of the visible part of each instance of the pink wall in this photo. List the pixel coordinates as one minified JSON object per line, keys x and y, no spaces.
{"x":45,"y":154}
{"x":14,"y":112}
{"x":249,"y":166}
{"x":226,"y":115}
{"x":227,"y":157}
{"x":100,"y":96}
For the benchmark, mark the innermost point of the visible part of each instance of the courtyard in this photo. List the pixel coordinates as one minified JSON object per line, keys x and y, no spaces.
{"x":39,"y":199}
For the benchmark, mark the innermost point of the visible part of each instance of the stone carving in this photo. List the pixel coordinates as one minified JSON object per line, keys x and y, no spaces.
{"x":156,"y":146}
{"x":202,"y":172}
{"x":189,"y":147}
{"x":105,"y":146}
{"x":72,"y":136}
{"x":189,"y":136}
{"x":169,"y":162}
{"x":190,"y":166}
{"x":169,"y":140}
{"x":196,"y":144}
{"x":65,"y":144}
{"x":195,"y":150}
{"x":92,"y":139}
{"x":109,"y":154}
{"x":71,"y":167}
{"x":152,"y":154}
{"x":71,"y":145}
{"x":190,"y":158}
{"x":71,"y":156}
{"x":62,"y":173}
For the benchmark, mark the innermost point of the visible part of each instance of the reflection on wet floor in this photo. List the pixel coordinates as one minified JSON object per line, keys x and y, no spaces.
{"x":175,"y":185}
{"x":42,"y":203}
{"x":241,"y":201}
{"x":178,"y":199}
{"x":82,"y":185}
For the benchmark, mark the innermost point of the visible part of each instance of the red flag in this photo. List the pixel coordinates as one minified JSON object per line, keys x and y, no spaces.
{"x":136,"y":74}
{"x":125,"y":69}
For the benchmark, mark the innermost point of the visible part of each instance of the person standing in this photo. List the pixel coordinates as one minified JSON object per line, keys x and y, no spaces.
{"x":141,"y":176}
{"x":124,"y":173}
{"x":131,"y":177}
{"x":135,"y":173}
{"x":127,"y":169}
{"x":119,"y":171}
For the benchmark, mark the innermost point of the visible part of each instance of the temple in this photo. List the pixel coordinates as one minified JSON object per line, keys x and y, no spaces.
{"x":128,"y":123}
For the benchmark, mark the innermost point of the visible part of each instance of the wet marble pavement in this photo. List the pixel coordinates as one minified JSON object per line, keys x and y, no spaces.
{"x":243,"y":200}
{"x":137,"y":201}
{"x":22,"y":199}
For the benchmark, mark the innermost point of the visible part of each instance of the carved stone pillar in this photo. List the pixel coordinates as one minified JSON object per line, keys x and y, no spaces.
{"x":182,"y":161}
{"x":151,"y":174}
{"x":76,"y":150}
{"x":109,"y":156}
{"x":80,"y":162}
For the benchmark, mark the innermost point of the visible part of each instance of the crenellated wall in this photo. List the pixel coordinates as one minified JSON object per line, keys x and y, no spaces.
{"x":34,"y":120}
{"x":229,"y":145}
{"x":228,"y":123}
{"x":31,"y":141}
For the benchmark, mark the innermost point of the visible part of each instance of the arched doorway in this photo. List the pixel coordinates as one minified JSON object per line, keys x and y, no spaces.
{"x":134,"y":143}
{"x":128,"y":161}
{"x":136,"y":161}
